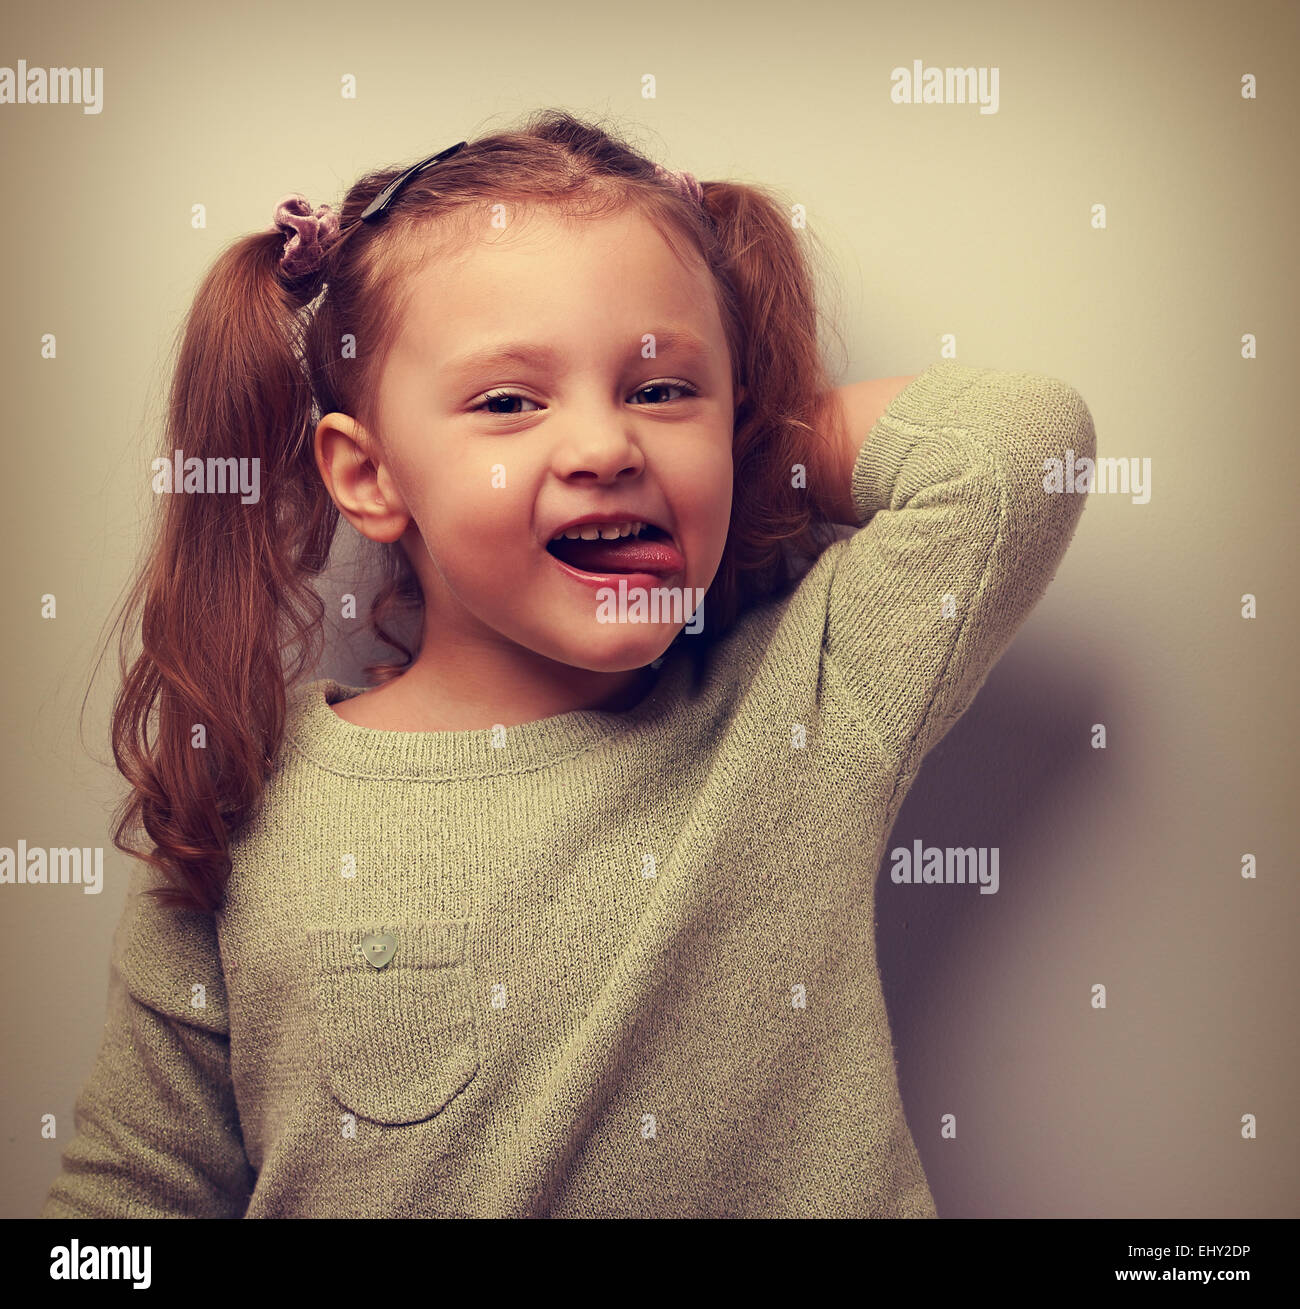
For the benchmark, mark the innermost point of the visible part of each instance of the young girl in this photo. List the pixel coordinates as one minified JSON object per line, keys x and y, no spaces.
{"x":572,"y":913}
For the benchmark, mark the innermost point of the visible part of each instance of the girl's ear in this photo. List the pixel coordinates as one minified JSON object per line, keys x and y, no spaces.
{"x":740,"y":396}
{"x":358,"y":479}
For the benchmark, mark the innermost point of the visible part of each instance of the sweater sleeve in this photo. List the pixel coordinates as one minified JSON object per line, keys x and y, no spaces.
{"x":959,"y":540}
{"x":157,"y":1129}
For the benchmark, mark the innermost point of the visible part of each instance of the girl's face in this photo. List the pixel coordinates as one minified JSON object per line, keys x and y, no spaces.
{"x":552,"y":371}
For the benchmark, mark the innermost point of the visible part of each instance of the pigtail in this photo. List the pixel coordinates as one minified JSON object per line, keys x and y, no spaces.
{"x":227,"y":610}
{"x":784,"y":420}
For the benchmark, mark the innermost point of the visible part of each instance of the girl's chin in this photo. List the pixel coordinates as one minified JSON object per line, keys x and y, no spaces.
{"x":604,"y":651}
{"x":627,"y":663}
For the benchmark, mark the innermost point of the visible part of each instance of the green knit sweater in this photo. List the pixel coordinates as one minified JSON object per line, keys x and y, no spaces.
{"x":631,"y":961}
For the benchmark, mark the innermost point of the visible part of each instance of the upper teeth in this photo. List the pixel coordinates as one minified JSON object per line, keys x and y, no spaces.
{"x":600,"y":531}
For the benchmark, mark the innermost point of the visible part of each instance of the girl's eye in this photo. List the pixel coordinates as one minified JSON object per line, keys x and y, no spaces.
{"x":492,"y":397}
{"x":668,"y":386}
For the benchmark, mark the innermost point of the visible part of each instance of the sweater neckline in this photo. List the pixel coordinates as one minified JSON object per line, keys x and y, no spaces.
{"x":318,"y":733}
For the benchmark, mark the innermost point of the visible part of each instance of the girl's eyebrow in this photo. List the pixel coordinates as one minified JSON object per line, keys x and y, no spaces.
{"x":526,"y":353}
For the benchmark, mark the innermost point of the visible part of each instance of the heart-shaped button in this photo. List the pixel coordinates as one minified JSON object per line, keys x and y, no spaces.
{"x":378,"y":948}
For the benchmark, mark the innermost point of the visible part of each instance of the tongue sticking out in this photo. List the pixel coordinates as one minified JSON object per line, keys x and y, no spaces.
{"x":629,"y":555}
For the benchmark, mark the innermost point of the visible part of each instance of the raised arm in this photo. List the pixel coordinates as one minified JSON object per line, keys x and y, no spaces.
{"x":958,"y":540}
{"x":856,"y":410}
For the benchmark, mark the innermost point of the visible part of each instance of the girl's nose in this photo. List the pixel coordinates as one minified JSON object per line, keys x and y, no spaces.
{"x":604,"y":456}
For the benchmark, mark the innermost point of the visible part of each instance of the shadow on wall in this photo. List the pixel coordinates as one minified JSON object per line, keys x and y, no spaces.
{"x":1001,"y":778}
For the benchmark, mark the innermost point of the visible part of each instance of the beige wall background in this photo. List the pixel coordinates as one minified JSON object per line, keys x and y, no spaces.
{"x":1118,"y":866}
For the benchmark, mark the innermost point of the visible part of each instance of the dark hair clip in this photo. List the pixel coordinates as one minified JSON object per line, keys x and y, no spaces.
{"x":374,"y":211}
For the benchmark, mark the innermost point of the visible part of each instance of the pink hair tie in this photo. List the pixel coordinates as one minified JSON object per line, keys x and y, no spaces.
{"x":309,"y":234}
{"x":684,"y":182}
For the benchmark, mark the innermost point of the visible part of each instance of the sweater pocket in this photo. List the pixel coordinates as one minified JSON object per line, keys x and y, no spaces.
{"x":398,"y":1042}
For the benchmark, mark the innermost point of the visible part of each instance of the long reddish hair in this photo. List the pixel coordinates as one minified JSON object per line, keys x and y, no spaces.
{"x":229,"y":618}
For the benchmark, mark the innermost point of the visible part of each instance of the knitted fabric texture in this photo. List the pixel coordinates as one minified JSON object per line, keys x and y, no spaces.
{"x":634,"y":969}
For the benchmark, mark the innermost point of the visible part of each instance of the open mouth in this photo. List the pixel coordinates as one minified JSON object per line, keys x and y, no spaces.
{"x":651,"y":551}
